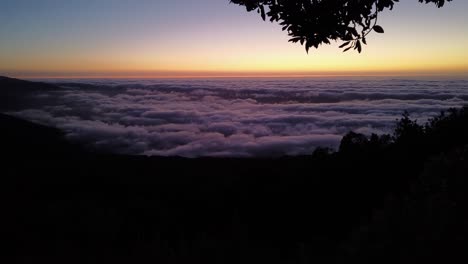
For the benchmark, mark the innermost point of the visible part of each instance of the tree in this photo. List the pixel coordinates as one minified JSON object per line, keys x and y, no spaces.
{"x":353,"y":143}
{"x":408,"y":131}
{"x":317,"y":22}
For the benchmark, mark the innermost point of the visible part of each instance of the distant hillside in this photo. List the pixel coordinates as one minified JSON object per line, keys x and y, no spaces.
{"x":17,"y":94}
{"x":17,"y":85}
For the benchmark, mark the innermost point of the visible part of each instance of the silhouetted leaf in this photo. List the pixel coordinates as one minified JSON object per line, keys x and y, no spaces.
{"x":378,"y":29}
{"x":262,"y":11}
{"x":294,"y":40}
{"x":347,"y":49}
{"x":323,"y":20}
{"x":358,"y":46}
{"x":345,"y":44}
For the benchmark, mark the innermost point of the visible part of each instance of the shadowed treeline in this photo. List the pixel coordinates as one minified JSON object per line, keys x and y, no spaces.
{"x":397,"y":198}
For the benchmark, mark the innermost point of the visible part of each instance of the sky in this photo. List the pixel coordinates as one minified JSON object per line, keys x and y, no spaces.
{"x":180,"y":38}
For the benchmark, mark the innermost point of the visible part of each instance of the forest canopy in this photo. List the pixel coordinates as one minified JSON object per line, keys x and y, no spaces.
{"x":316,"y":22}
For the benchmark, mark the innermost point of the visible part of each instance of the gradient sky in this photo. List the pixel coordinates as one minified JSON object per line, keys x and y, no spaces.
{"x":151,"y":38}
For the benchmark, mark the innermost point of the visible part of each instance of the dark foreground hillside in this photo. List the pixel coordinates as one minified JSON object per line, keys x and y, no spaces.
{"x":388,"y":199}
{"x":398,"y":198}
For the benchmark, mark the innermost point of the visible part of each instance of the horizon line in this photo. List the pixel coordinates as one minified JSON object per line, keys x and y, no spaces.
{"x":459,"y":74}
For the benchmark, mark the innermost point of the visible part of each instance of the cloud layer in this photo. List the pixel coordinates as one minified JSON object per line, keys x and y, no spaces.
{"x":251,"y":117}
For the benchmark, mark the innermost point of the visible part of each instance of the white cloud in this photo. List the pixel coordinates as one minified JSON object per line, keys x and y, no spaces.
{"x":241,"y":118}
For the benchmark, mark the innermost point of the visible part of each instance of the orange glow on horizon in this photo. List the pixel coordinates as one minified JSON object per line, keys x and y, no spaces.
{"x":201,"y":75}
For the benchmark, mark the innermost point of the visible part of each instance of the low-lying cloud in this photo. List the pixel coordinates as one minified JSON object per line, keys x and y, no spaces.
{"x":245,"y":118}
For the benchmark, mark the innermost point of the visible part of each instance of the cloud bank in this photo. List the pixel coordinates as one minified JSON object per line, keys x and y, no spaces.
{"x":241,"y":118}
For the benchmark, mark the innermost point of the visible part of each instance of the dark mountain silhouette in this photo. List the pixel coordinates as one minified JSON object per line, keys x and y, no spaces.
{"x":397,"y":198}
{"x":12,"y":85}
{"x":16,"y":94}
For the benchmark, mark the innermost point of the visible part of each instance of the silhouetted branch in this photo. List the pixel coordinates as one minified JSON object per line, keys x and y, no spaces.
{"x":316,"y":22}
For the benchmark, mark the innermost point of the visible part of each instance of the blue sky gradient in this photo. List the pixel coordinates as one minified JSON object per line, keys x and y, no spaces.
{"x":52,"y":37}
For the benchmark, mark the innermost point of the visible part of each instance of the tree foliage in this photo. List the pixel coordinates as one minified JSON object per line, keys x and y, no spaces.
{"x":316,"y":22}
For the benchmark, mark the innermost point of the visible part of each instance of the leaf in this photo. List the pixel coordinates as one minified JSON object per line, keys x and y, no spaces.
{"x":378,"y":29}
{"x":345,"y":44}
{"x":364,"y":41}
{"x":309,"y":45}
{"x":296,"y":39}
{"x":262,"y":10}
{"x":347,"y":49}
{"x":353,"y":31}
{"x":358,"y":46}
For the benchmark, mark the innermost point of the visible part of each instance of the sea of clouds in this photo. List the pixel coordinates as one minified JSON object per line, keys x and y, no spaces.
{"x":236,"y":117}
